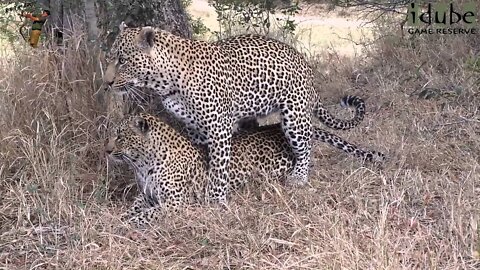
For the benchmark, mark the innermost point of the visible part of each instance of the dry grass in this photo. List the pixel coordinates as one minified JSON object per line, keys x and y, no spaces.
{"x":59,"y":203}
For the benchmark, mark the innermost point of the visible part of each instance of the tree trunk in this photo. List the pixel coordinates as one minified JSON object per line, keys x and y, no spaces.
{"x":169,"y":15}
{"x":91,"y":20}
{"x":54,"y":26}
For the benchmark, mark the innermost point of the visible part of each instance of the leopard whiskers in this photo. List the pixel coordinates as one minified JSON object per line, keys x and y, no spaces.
{"x":129,"y":161}
{"x":137,"y":95}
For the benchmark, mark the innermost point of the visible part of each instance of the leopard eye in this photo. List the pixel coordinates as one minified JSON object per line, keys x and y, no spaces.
{"x":121,"y":60}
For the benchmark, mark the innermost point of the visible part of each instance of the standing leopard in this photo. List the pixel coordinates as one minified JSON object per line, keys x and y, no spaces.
{"x":171,"y":171}
{"x":212,"y":85}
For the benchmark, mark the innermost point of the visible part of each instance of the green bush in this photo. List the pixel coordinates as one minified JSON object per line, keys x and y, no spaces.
{"x":255,"y":16}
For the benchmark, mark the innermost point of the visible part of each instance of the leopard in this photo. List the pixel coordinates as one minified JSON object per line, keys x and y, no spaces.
{"x":211,"y":85}
{"x":171,"y":171}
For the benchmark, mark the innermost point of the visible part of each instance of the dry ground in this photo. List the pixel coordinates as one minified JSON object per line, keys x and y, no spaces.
{"x":59,"y":203}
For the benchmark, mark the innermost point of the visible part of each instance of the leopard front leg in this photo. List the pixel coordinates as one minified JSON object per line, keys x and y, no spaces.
{"x":176,"y":107}
{"x":139,"y":204}
{"x":195,"y":136}
{"x":154,"y":214}
{"x":219,"y":149}
{"x":172,"y":193}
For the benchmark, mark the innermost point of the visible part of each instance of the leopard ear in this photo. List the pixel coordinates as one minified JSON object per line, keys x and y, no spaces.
{"x":122,"y":26}
{"x":146,"y":38}
{"x":141,"y":124}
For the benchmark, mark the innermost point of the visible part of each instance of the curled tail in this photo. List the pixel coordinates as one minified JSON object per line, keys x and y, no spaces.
{"x":348,"y":101}
{"x":337,"y":142}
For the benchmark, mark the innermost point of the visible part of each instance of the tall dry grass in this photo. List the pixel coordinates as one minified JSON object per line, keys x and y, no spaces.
{"x":59,"y":203}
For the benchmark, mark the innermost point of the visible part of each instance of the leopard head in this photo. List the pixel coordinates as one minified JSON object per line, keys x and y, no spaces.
{"x":136,"y":59}
{"x":131,"y":141}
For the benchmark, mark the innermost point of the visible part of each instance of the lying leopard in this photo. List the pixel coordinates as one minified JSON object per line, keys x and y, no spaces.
{"x":171,"y":171}
{"x":212,"y":85}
